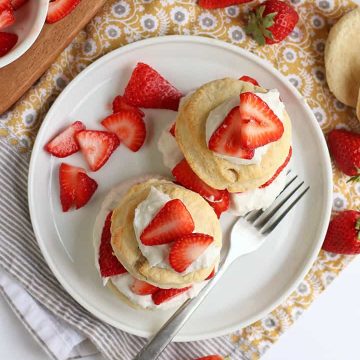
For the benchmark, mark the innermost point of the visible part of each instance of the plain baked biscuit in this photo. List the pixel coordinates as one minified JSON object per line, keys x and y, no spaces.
{"x":125,"y":245}
{"x":213,"y":170}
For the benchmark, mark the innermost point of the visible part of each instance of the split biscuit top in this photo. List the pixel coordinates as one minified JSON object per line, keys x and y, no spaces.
{"x":125,"y":244}
{"x":213,"y":170}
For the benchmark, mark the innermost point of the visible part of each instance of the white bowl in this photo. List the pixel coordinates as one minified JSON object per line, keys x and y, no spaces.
{"x":30,"y":19}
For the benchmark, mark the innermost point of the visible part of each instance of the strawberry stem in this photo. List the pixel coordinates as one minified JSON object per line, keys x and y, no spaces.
{"x":355,"y":178}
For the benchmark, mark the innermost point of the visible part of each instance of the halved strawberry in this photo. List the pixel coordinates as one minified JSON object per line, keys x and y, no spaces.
{"x":7,"y":18}
{"x":58,"y":9}
{"x":65,"y":144}
{"x":221,"y":205}
{"x":279,"y":170}
{"x":96,"y":146}
{"x":186,"y":177}
{"x":172,"y":221}
{"x":163,"y":295}
{"x":172,"y":129}
{"x":7,"y":42}
{"x":120,"y":103}
{"x":139,"y":287}
{"x":16,"y":4}
{"x":249,"y":79}
{"x":186,"y":249}
{"x":108,"y":262}
{"x":148,"y":89}
{"x":76,"y":188}
{"x":5,"y":5}
{"x":226,"y":138}
{"x":217,"y":4}
{"x":259,"y":124}
{"x":211,"y":275}
{"x":128,"y":126}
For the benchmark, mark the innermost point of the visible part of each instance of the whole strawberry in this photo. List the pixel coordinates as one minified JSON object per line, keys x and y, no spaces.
{"x":272,"y":21}
{"x":344,"y":147}
{"x":343,"y":235}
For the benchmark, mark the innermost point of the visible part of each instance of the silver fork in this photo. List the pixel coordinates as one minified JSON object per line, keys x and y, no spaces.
{"x":247,"y":235}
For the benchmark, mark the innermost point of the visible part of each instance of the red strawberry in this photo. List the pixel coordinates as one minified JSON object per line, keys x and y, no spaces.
{"x":120,"y":103}
{"x":108,"y":262}
{"x":148,"y":89}
{"x":217,"y":4}
{"x":211,"y":275}
{"x":16,"y":4}
{"x":172,"y":220}
{"x":65,"y":144}
{"x":76,"y":188}
{"x":5,"y":5}
{"x":163,"y":295}
{"x":222,"y":205}
{"x":7,"y":18}
{"x":97,"y":146}
{"x":186,"y":177}
{"x":249,"y":79}
{"x":344,"y":148}
{"x":212,"y":357}
{"x":58,"y":9}
{"x":279,"y":170}
{"x":139,"y":287}
{"x":187,"y":249}
{"x":128,"y":126}
{"x":226,"y":138}
{"x":172,"y":129}
{"x":272,"y":21}
{"x":7,"y":42}
{"x":343,"y":235}
{"x":260,"y":126}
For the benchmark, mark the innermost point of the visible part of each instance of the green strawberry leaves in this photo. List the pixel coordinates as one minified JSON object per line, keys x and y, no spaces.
{"x":357,"y":228}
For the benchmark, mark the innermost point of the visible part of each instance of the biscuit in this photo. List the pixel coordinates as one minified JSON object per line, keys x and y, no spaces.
{"x":213,"y":170}
{"x":342,"y":58}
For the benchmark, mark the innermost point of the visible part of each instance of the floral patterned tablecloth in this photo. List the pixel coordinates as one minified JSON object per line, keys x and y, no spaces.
{"x":300,"y":58}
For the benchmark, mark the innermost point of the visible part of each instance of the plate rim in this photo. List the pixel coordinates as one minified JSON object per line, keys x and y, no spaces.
{"x":325,"y":159}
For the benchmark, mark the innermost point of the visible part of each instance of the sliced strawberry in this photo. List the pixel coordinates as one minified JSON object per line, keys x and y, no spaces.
{"x":187,"y":249}
{"x":7,"y":18}
{"x":148,"y":89}
{"x":259,"y":124}
{"x":226,"y":138}
{"x":128,"y":126}
{"x":108,"y":262}
{"x":211,"y":275}
{"x":58,"y":9}
{"x":172,"y":129}
{"x":16,"y":4}
{"x":279,"y":170}
{"x":120,"y":103}
{"x":96,"y":146}
{"x":186,"y":177}
{"x":217,"y":4}
{"x":7,"y":42}
{"x":76,"y":188}
{"x":163,"y":295}
{"x":5,"y":5}
{"x":221,"y":205}
{"x":249,"y":79}
{"x":139,"y":287}
{"x":65,"y":144}
{"x":172,"y":221}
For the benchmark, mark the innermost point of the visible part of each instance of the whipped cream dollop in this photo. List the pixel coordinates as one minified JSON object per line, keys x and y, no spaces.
{"x":217,"y":116}
{"x":158,"y":255}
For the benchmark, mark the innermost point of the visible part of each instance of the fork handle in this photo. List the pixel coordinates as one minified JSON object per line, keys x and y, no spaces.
{"x":163,"y":337}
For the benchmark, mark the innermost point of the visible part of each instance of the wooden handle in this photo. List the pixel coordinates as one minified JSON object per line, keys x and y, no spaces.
{"x":17,"y":77}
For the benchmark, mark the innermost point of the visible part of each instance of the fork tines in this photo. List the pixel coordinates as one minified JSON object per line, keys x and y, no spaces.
{"x":266,"y":220}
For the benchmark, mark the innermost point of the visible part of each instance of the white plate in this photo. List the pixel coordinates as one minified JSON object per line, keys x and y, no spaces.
{"x":257,"y":283}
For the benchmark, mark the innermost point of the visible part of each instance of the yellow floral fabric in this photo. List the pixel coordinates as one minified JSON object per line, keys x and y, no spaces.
{"x":300,"y":58}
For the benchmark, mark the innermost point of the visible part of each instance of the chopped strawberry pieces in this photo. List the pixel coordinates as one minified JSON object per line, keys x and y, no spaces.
{"x":187,"y":249}
{"x":120,"y":103}
{"x":108,"y":262}
{"x":172,"y":221}
{"x":259,"y":124}
{"x":58,"y":9}
{"x":76,"y":187}
{"x":7,"y":18}
{"x":97,"y":146}
{"x":226,"y":138}
{"x":128,"y":126}
{"x":16,"y":4}
{"x":163,"y":295}
{"x":139,"y":287}
{"x":65,"y":144}
{"x":172,"y":129}
{"x":7,"y":42}
{"x":221,"y":205}
{"x":186,"y":177}
{"x":249,"y":79}
{"x":148,"y":89}
{"x":217,"y":4}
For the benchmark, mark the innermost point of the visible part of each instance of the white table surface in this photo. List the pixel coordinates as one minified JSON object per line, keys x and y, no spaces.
{"x":328,"y":330}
